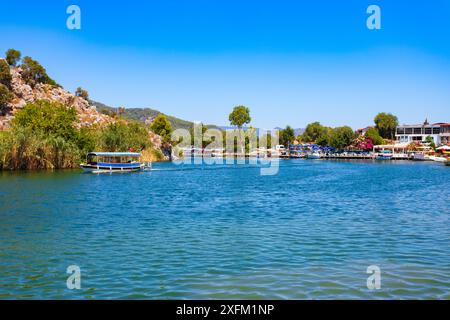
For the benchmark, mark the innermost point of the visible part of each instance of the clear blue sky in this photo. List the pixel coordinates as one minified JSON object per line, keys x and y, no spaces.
{"x":290,"y":62}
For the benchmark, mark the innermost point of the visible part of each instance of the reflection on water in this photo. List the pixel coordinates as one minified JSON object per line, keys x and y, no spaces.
{"x":310,"y":231}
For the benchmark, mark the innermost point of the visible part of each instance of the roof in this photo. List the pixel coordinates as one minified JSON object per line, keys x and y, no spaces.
{"x":418,"y":125}
{"x":114,"y":154}
{"x":390,"y":146}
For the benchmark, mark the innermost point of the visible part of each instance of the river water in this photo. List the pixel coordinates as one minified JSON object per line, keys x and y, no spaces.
{"x":226,"y":231}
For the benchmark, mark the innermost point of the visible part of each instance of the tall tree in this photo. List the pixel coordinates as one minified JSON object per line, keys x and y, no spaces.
{"x":386,"y":124}
{"x":287,"y":136}
{"x":162,"y":127}
{"x":238,"y":117}
{"x":13,"y":57}
{"x":314,"y":130}
{"x":342,"y":137}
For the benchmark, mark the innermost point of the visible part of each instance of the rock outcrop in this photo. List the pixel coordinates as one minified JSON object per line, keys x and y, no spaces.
{"x":23,"y":93}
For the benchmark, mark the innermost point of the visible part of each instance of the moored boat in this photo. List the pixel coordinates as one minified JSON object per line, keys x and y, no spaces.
{"x":100,"y":162}
{"x":314,"y":155}
{"x":385,"y":155}
{"x":438,"y":159}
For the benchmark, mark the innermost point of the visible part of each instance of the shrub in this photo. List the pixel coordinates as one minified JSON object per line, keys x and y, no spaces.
{"x":122,"y":137}
{"x":82,"y":93}
{"x":372,"y":134}
{"x":51,"y":118}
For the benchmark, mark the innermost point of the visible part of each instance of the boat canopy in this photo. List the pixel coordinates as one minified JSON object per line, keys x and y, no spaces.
{"x":114,"y":154}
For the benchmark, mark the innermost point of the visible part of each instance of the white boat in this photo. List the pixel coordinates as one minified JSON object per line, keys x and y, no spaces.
{"x":384,"y":155}
{"x":418,"y":157}
{"x":437,"y":159}
{"x":101,"y":162}
{"x":314,"y":155}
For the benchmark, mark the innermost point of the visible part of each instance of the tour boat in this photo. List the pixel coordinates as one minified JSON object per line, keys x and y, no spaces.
{"x":99,"y":162}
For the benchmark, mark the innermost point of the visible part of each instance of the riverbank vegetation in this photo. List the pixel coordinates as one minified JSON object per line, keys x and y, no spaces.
{"x":44,"y":135}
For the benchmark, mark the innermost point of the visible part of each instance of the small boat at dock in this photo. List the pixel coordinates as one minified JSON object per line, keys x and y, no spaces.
{"x":438,"y":158}
{"x":314,"y":155}
{"x":108,"y":162}
{"x":384,"y":155}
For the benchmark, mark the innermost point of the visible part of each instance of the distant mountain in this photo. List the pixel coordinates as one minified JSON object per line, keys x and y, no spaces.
{"x":299,"y":131}
{"x":143,"y":114}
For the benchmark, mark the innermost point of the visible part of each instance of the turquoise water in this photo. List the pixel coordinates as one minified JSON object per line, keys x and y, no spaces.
{"x":308,"y":232}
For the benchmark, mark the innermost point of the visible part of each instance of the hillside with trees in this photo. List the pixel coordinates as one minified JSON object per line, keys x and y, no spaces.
{"x":43,"y":126}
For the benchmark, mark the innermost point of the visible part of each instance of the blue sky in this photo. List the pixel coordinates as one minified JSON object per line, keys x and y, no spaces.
{"x":290,"y":62}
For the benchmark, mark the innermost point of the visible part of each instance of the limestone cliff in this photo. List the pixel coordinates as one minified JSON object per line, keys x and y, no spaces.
{"x":24,"y":93}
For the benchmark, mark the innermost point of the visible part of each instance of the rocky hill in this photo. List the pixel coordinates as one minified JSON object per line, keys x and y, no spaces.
{"x":24,"y":93}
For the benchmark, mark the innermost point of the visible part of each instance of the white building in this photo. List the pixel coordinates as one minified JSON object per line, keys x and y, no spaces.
{"x":440,"y":132}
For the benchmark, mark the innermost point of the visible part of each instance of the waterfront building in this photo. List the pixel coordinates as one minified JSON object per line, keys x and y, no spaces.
{"x":440,"y":132}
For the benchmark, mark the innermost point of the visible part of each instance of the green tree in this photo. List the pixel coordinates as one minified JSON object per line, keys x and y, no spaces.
{"x":342,"y":137}
{"x":13,"y":57}
{"x":374,"y":135}
{"x":5,"y":97}
{"x":287,"y":136}
{"x":87,"y":140}
{"x":239,"y":116}
{"x":162,"y":127}
{"x":430,"y":141}
{"x":51,"y":118}
{"x":42,"y":136}
{"x":386,"y":124}
{"x":5,"y":73}
{"x":33,"y":73}
{"x":80,"y":92}
{"x":323,"y":140}
{"x":121,"y":136}
{"x":313,"y":131}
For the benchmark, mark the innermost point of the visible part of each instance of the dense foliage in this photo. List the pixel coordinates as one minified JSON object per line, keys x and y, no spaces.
{"x":287,"y":136}
{"x":315,"y":130}
{"x":162,"y":127}
{"x":43,"y":136}
{"x":373,"y":134}
{"x":342,"y":137}
{"x":122,"y":136}
{"x":386,"y":124}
